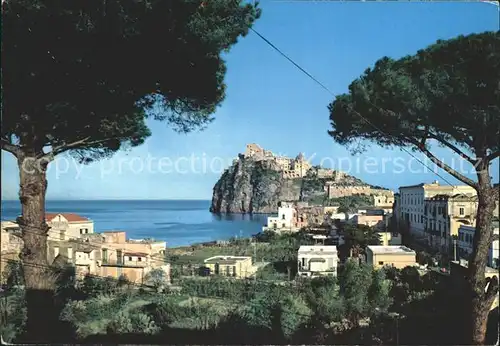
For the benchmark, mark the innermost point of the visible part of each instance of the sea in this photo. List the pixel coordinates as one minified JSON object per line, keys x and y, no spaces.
{"x":178,"y":222}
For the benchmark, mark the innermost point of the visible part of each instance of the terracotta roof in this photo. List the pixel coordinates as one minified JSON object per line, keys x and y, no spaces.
{"x":68,"y":216}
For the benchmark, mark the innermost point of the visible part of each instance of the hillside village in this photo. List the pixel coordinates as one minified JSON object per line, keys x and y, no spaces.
{"x":427,"y":230}
{"x":431,"y":215}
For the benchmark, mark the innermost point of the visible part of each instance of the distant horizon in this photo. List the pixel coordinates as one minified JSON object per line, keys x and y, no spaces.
{"x":113,"y":199}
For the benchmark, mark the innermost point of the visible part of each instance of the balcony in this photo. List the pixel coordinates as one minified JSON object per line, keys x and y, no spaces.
{"x":121,"y":263}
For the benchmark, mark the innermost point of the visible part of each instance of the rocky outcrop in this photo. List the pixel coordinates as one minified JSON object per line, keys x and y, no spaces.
{"x":250,"y":186}
{"x":257,"y":186}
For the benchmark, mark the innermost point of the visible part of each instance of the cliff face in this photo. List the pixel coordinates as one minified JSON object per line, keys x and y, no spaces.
{"x":252,"y":187}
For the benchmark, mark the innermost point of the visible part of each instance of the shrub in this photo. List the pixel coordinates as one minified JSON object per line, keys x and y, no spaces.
{"x":120,"y":324}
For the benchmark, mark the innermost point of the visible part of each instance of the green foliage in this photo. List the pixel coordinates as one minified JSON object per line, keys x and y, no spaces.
{"x":12,"y":314}
{"x":166,"y":310}
{"x":411,"y":277}
{"x":357,"y":237}
{"x":409,"y":99}
{"x":82,"y":85}
{"x":124,"y":322}
{"x":13,"y":274}
{"x":351,"y":204}
{"x":156,"y":278}
{"x":274,"y":308}
{"x":270,"y":273}
{"x":266,"y":237}
{"x":355,"y":280}
{"x":424,"y":258}
{"x":93,"y":286}
{"x":322,"y":296}
{"x":378,"y":293}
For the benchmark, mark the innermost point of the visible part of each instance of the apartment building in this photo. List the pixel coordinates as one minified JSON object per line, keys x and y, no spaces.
{"x":444,"y":214}
{"x":465,"y":244}
{"x":133,"y":258}
{"x":317,"y":260}
{"x":234,"y":266}
{"x":397,"y":256}
{"x":64,"y":226}
{"x":111,"y":254}
{"x":411,"y":208}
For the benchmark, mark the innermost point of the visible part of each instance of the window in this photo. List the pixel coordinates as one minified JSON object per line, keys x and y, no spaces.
{"x":380,"y":263}
{"x":139,"y":259}
{"x":227,"y":270}
{"x":81,"y":231}
{"x":130,"y":258}
{"x":234,"y":270}
{"x":119,"y":257}
{"x":283,"y":217}
{"x":86,"y":231}
{"x":283,"y":225}
{"x":104,"y":256}
{"x":461,"y":211}
{"x":61,"y":235}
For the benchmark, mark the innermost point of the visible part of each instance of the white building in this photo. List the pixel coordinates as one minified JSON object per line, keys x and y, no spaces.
{"x":65,"y":226}
{"x":412,"y":199}
{"x":285,"y":220}
{"x":465,"y":241}
{"x":316,"y":260}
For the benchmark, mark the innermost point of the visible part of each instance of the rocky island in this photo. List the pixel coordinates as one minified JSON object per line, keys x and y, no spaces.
{"x":258,"y":180}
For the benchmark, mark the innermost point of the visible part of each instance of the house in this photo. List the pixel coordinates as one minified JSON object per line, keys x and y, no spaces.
{"x":11,"y":245}
{"x":132,"y":258}
{"x":64,"y":226}
{"x":385,"y":201}
{"x":458,"y":274}
{"x":376,"y":221}
{"x":288,"y":219}
{"x":316,"y":260}
{"x":444,"y":214}
{"x":396,"y":255}
{"x":235,"y":266}
{"x":411,"y":208}
{"x":10,"y":237}
{"x":389,"y":238}
{"x":465,"y":241}
{"x":111,"y":254}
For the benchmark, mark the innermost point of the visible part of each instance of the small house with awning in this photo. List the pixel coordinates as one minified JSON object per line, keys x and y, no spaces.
{"x":317,"y":260}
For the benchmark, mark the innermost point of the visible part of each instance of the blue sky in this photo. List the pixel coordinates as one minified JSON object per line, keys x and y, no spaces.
{"x":270,"y":102}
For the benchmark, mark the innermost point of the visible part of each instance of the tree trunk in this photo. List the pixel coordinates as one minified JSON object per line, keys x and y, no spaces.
{"x":480,"y":300}
{"x":39,"y":283}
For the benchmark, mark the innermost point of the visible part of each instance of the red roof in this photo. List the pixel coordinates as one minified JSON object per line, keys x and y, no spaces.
{"x":68,"y":216}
